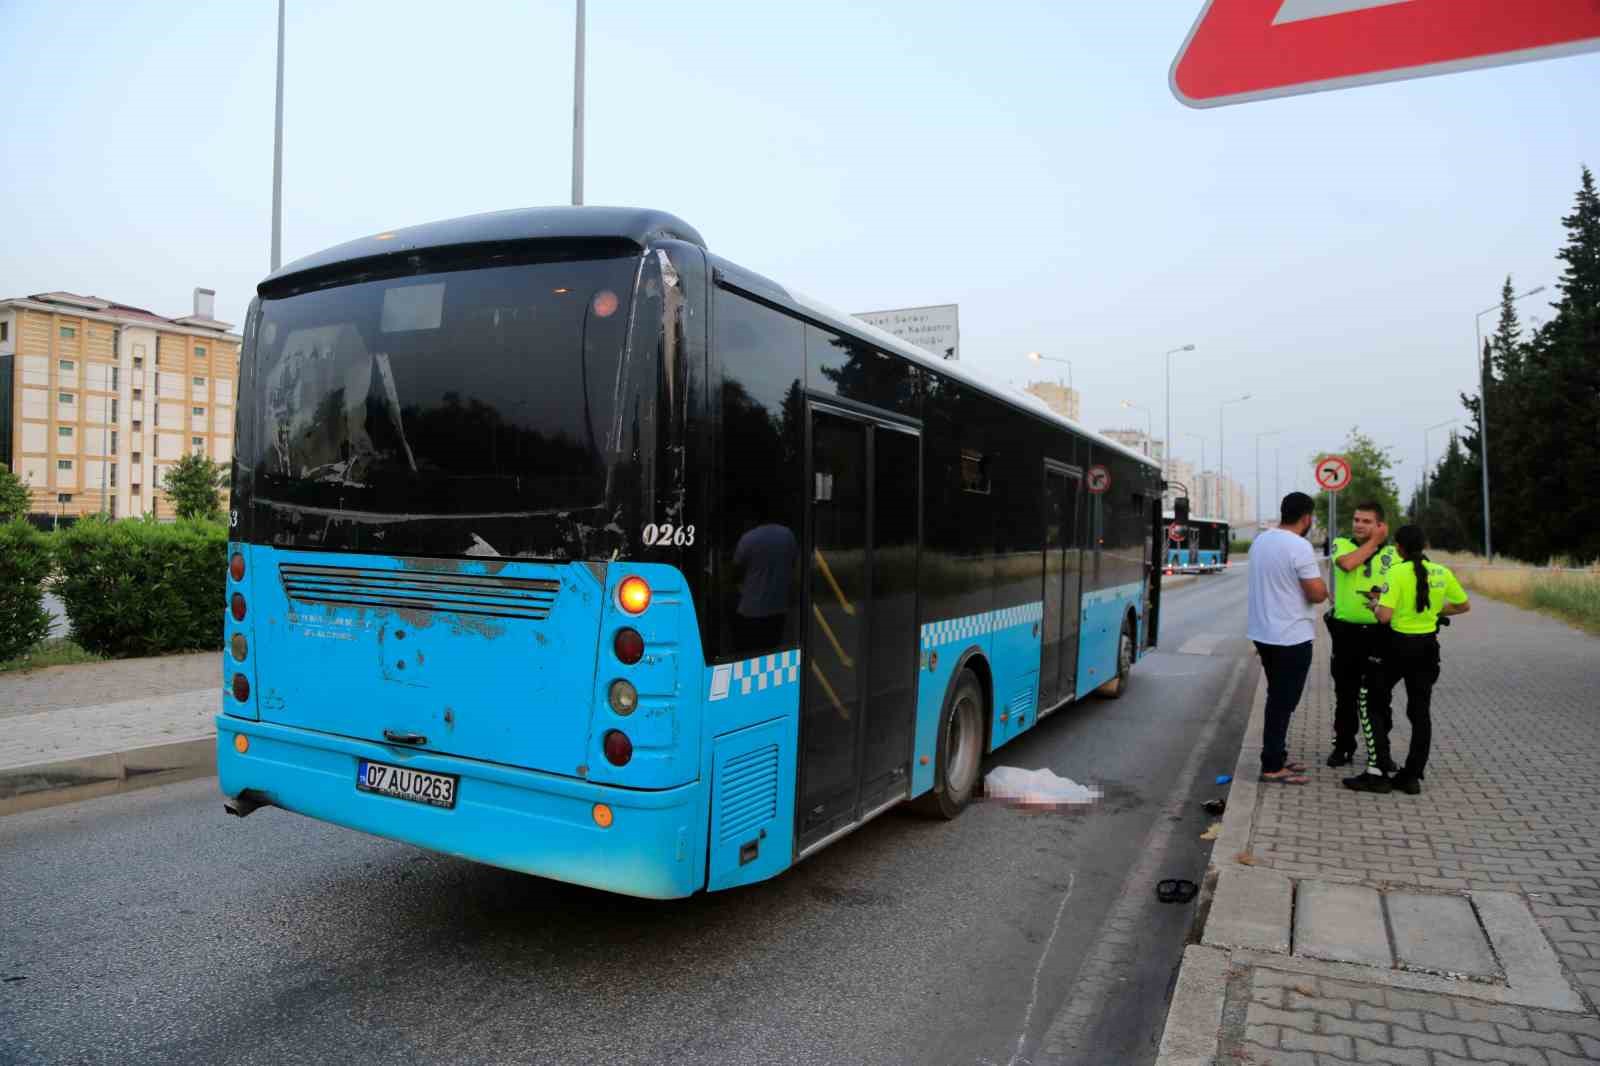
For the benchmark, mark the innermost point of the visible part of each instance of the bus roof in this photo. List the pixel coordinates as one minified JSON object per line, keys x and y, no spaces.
{"x":641,"y":226}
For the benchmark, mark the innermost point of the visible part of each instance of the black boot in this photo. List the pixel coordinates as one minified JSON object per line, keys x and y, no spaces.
{"x":1365,"y":782}
{"x":1341,"y":756}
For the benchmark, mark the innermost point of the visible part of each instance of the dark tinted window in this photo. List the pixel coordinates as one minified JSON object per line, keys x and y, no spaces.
{"x":759,"y":363}
{"x":475,"y":391}
{"x":847,"y":368}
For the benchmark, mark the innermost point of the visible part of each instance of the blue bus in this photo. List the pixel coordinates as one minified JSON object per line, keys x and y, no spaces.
{"x":1199,"y":546}
{"x":562,"y":544}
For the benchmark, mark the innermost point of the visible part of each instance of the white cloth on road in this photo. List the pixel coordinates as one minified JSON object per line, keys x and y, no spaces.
{"x":1012,"y":784}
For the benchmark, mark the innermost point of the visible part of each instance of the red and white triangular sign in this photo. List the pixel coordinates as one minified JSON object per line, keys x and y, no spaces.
{"x":1244,"y":50}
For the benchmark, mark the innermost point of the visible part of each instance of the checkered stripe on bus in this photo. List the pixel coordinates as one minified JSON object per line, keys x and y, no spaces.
{"x":953,"y":630}
{"x":755,"y":675}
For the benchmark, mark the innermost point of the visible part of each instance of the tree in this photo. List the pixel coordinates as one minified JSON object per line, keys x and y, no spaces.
{"x":15,"y":500}
{"x":194,"y":484}
{"x":1369,"y":481}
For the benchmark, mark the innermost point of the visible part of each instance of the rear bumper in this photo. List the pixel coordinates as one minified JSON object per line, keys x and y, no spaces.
{"x":522,"y":820}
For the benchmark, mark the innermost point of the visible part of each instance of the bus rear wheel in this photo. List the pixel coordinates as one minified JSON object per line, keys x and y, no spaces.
{"x":1113,"y":689}
{"x":960,"y":750}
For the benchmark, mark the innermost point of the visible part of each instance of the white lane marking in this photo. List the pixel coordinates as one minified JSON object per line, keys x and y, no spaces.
{"x":1300,"y":10}
{"x":1120,"y":933}
{"x":1022,"y":1037}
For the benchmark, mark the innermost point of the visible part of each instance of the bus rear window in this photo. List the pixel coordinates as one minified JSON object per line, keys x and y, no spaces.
{"x":476,"y":391}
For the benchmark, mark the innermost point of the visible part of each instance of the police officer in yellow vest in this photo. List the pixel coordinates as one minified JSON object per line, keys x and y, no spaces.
{"x":1421,"y":596}
{"x":1360,"y":573}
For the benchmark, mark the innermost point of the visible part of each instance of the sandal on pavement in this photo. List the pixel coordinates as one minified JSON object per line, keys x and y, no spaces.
{"x":1286,"y":776}
{"x":1297,"y":767}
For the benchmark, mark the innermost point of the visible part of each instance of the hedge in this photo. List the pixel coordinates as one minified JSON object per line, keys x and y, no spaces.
{"x":139,"y":587}
{"x":24,"y":564}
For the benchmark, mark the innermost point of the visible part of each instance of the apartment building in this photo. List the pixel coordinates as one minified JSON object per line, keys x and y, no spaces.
{"x":1064,"y":401}
{"x":98,"y":399}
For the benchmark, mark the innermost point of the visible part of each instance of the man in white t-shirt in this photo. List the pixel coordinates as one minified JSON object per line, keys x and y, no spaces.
{"x":1285,"y":583}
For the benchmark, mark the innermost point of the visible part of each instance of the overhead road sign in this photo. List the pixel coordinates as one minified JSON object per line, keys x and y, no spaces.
{"x":1240,"y":50}
{"x":1333,"y":472}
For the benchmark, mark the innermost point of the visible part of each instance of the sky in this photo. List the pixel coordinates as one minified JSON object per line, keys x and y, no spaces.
{"x":1025,"y":160}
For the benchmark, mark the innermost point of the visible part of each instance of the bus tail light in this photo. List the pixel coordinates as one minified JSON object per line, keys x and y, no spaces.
{"x":618,"y":748}
{"x":236,"y":567}
{"x":236,"y":604}
{"x":240,"y":646}
{"x":628,"y":645}
{"x":633,"y":595}
{"x":241,"y":688}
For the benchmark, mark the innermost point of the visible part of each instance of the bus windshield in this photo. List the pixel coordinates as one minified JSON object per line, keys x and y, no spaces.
{"x":483,"y":391}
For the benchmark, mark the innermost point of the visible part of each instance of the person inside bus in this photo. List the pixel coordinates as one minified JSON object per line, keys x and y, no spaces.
{"x":766,"y":556}
{"x":1285,"y":584}
{"x":1421,"y":596}
{"x":1361,"y":566}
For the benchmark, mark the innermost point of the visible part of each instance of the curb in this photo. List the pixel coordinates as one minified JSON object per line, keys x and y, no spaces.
{"x":40,"y":785}
{"x":1193,"y":1032}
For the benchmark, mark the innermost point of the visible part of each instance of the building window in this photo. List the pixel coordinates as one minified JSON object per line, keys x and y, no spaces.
{"x":116,"y":377}
{"x":113,"y":475}
{"x":138,"y":459}
{"x":63,"y":464}
{"x":5,"y":330}
{"x":199,"y":444}
{"x":198,"y":412}
{"x":138,"y":362}
{"x":113,"y":408}
{"x":138,"y":426}
{"x":63,"y":431}
{"x":199,"y":353}
{"x":113,"y":442}
{"x":974,"y":472}
{"x":68,"y":332}
{"x":138,"y":394}
{"x":65,"y":397}
{"x":136,"y":488}
{"x":63,"y":497}
{"x":68,"y":364}
{"x":198,"y":383}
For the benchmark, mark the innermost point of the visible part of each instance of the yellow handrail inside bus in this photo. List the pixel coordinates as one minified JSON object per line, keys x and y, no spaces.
{"x":822,"y":564}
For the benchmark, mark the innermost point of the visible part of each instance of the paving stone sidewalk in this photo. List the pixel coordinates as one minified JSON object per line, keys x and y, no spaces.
{"x":89,"y":684}
{"x":1509,"y":816}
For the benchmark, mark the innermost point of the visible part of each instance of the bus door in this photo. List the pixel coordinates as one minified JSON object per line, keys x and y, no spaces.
{"x":1063,"y":583}
{"x":858,"y":697}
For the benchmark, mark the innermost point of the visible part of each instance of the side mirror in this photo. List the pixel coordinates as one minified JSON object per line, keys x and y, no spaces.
{"x":1180,"y":510}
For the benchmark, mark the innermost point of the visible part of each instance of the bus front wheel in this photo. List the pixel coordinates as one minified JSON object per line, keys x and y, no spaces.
{"x":960,"y":750}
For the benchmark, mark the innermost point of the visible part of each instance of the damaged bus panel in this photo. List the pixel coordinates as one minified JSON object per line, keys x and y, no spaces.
{"x":560,"y":543}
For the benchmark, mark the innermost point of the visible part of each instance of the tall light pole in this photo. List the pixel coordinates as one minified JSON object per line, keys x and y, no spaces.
{"x":1149,"y":427}
{"x":1201,"y":438}
{"x":577,"y":112}
{"x":1263,"y":433}
{"x":1170,"y":353}
{"x":1222,"y":446}
{"x":277,"y":157}
{"x":1427,"y":495}
{"x":1483,"y":413}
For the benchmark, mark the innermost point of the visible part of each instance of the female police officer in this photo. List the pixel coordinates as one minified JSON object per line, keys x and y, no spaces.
{"x":1420,"y":592}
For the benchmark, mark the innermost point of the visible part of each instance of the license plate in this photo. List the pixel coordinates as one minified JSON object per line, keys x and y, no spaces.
{"x":419,"y":786}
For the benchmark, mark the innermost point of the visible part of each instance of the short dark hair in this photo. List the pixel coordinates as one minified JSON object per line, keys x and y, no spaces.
{"x":1371,"y":505}
{"x":1295,"y":506}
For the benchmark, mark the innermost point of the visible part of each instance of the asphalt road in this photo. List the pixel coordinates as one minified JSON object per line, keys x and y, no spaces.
{"x":151,"y":928}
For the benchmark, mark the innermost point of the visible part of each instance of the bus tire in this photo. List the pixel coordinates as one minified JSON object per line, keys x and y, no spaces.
{"x":960,"y":751}
{"x":1113,"y":689}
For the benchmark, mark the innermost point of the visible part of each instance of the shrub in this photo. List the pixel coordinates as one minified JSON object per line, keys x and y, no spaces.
{"x":24,"y":565}
{"x":138,"y":587}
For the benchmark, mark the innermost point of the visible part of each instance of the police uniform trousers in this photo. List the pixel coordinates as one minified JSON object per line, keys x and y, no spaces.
{"x":1414,"y":659}
{"x":1359,"y":674}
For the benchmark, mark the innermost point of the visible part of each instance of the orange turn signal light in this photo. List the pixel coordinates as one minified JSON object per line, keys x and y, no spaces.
{"x":602,"y":816}
{"x":633,"y":595}
{"x":241,"y":743}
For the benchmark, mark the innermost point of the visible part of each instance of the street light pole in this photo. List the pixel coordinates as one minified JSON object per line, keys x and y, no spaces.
{"x":1264,"y":433}
{"x":277,"y":157}
{"x":1427,"y":495}
{"x":1483,"y":414}
{"x":1222,"y":446}
{"x":1170,"y":353}
{"x":1149,"y":427}
{"x":577,"y":113}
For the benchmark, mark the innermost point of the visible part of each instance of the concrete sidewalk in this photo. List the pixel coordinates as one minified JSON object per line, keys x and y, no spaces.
{"x":1461,"y":925}
{"x":69,"y":733}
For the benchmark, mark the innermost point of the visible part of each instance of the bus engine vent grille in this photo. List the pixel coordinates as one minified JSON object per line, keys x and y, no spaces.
{"x":421,"y":590}
{"x":747,"y":790}
{"x":1021,"y":703}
